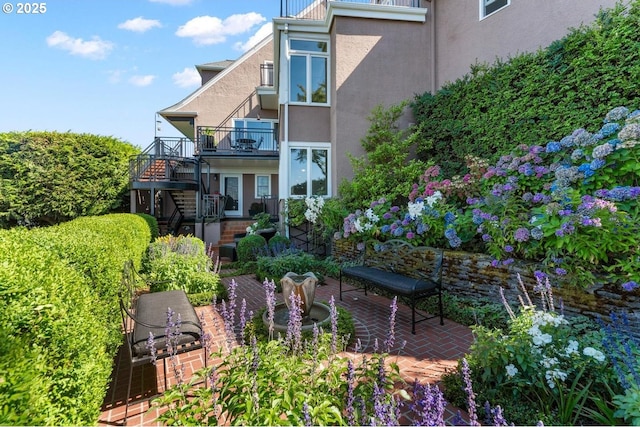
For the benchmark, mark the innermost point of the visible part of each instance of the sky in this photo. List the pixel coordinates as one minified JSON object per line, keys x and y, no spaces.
{"x":107,"y":66}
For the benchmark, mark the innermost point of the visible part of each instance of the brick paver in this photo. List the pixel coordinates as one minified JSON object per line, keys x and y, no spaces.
{"x":425,"y":356}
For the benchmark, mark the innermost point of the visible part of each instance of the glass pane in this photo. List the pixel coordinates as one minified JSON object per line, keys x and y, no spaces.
{"x":263,"y":186}
{"x":309,"y":45}
{"x":298,"y":87}
{"x":298,"y":171}
{"x":231,"y":190}
{"x":319,"y":80}
{"x":319,"y":173}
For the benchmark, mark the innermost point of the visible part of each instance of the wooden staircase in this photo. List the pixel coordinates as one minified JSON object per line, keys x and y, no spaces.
{"x":157,"y":170}
{"x":185,"y":200}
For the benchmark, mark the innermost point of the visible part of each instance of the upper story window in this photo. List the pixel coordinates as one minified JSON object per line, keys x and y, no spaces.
{"x":308,"y":71}
{"x":488,"y":7}
{"x":308,"y":174}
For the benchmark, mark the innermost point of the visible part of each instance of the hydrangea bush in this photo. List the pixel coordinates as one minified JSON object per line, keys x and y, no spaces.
{"x":570,"y":205}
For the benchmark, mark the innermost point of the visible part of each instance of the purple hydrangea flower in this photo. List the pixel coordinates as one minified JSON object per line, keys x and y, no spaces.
{"x":630,"y":285}
{"x":508,"y":248}
{"x":522,"y":234}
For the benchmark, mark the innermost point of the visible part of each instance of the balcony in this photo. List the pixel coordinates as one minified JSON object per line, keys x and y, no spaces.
{"x":237,"y":141}
{"x":317,"y":9}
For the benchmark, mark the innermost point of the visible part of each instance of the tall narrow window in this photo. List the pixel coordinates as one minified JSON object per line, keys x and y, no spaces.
{"x":263,"y":185}
{"x":308,"y":174}
{"x":488,"y":7}
{"x":308,"y":71}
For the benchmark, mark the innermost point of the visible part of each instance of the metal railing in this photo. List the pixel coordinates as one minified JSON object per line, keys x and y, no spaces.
{"x":316,"y":9}
{"x":170,"y":147}
{"x":213,"y":205}
{"x":229,"y":140}
{"x":151,"y":167}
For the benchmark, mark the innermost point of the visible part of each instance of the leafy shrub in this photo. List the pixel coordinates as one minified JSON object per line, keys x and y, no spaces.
{"x":249,"y":246}
{"x":274,"y":268}
{"x":61,"y":323}
{"x":551,"y":361}
{"x":534,"y":96}
{"x":181,"y":263}
{"x":153,"y":225}
{"x":278,"y":243}
{"x":51,"y":177}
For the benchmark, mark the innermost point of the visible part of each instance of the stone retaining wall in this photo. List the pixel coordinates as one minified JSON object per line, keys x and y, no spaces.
{"x":471,"y":275}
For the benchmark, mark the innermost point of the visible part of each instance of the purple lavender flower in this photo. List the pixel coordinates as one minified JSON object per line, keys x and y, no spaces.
{"x":306,"y":415}
{"x":334,"y":325}
{"x":350,"y":409}
{"x":270,"y":288}
{"x":428,"y":405}
{"x":151,"y":346}
{"x":471,"y":397}
{"x":391,"y":334}
{"x":294,"y":326}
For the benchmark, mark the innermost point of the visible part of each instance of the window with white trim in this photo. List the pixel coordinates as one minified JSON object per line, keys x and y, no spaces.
{"x":263,"y":185}
{"x":488,"y":7}
{"x":308,"y":71}
{"x":308,"y":171}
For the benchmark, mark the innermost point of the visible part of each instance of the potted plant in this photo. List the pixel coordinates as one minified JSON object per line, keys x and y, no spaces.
{"x":208,"y":140}
{"x":256,"y":208}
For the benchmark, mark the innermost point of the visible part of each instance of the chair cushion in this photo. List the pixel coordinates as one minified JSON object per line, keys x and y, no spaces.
{"x":399,"y":284}
{"x":152,"y":308}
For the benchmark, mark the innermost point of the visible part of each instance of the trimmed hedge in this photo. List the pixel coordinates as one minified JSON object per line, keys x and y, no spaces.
{"x":535,"y":96}
{"x":61,"y":322}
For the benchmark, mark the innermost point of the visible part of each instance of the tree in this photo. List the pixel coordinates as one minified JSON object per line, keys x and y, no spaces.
{"x":51,"y":177}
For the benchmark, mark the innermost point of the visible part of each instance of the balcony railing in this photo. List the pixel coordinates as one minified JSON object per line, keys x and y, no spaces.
{"x":156,"y":168}
{"x":316,"y":9}
{"x":236,"y":140}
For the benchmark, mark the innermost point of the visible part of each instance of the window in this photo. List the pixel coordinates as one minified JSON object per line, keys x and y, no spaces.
{"x":266,"y":79}
{"x":308,"y":175}
{"x":308,"y":71}
{"x":263,"y":185}
{"x":263,"y":132}
{"x":488,"y":7}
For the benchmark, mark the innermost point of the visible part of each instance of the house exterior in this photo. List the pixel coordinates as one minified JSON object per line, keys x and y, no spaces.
{"x":279,"y":121}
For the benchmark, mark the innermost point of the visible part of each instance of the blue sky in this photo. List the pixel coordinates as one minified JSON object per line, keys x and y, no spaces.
{"x":106,"y":66}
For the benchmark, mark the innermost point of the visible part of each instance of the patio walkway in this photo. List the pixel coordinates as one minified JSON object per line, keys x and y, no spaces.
{"x":426,"y":356}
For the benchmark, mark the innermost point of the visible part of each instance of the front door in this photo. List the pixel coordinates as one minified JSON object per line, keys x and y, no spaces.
{"x":232,"y":188}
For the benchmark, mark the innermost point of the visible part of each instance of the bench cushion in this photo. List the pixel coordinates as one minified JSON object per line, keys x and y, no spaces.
{"x":151,"y":309}
{"x":399,"y":284}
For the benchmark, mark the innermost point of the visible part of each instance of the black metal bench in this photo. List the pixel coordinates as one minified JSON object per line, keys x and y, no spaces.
{"x":411,"y":273}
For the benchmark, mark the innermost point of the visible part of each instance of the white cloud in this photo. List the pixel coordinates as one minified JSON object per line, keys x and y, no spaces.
{"x":139,"y":24}
{"x":207,"y":30}
{"x":96,"y":48}
{"x":263,"y":32}
{"x":142,"y":80}
{"x":173,"y":2}
{"x":187,"y":78}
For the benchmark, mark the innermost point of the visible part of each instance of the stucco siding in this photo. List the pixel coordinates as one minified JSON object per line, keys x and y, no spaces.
{"x":309,"y":124}
{"x":374,"y":62}
{"x":524,"y":26}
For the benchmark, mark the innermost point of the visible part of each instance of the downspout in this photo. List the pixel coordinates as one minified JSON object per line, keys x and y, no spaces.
{"x":434,"y":80}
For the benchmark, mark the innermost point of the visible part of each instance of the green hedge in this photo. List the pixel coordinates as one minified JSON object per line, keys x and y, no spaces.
{"x":61,"y":322}
{"x":532,"y":97}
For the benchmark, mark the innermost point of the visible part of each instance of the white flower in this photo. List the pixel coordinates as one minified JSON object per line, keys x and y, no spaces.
{"x":548,"y":362}
{"x":596,"y":354}
{"x":358,"y":225}
{"x":554,"y":374}
{"x":433,"y":199}
{"x":541,"y":339}
{"x":372,"y":216}
{"x":572,"y":347}
{"x":511,"y":370}
{"x":415,"y":209}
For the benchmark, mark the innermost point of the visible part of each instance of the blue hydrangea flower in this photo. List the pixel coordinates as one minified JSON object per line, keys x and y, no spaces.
{"x":537,"y":233}
{"x":398,"y":232}
{"x":567,"y":141}
{"x":385,"y":228}
{"x":616,"y":114}
{"x":597,"y":164}
{"x":449,"y":218}
{"x":629,"y":286}
{"x":609,"y":129}
{"x":553,"y":147}
{"x":450,"y":233}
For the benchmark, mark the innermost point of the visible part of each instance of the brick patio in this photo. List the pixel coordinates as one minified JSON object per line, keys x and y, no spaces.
{"x":426,"y":356}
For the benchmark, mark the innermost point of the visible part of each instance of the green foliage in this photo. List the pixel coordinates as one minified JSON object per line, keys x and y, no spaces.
{"x":181,"y":263}
{"x":279,"y":241}
{"x":533,"y":97}
{"x":61,"y":324}
{"x":153,"y":225}
{"x":249,"y":246}
{"x":51,"y":177}
{"x":628,"y":405}
{"x":274,"y":268}
{"x":385,"y":170}
{"x":469,"y":311}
